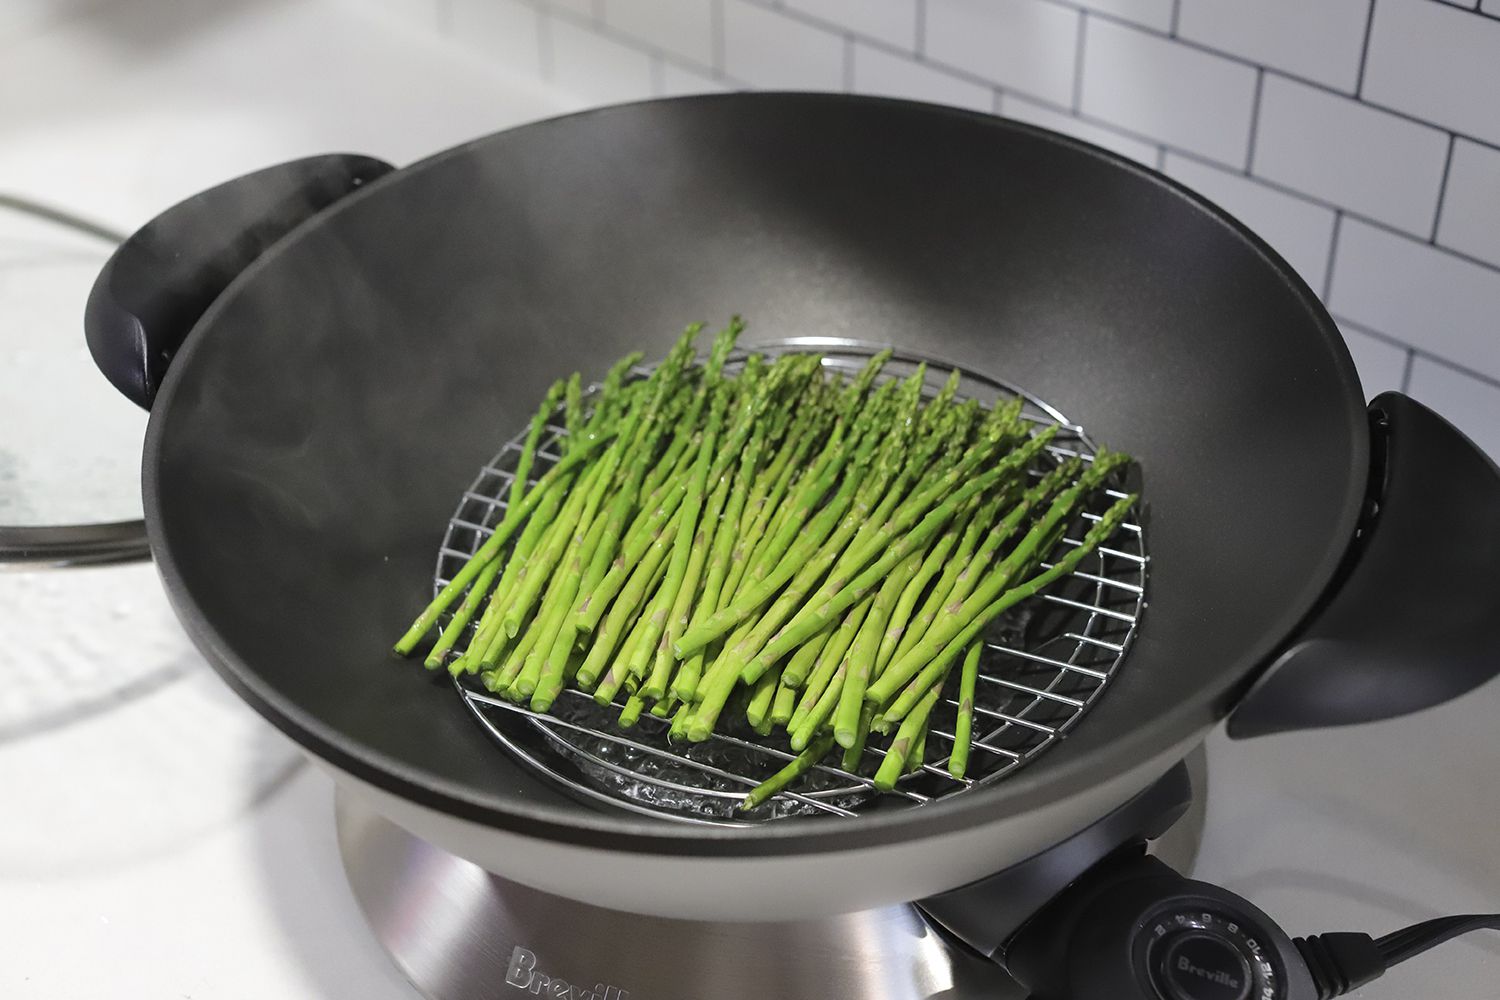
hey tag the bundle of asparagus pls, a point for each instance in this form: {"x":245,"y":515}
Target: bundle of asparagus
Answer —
{"x":830,"y":551}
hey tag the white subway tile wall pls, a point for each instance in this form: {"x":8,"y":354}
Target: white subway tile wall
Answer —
{"x":886,"y":74}
{"x":593,"y":68}
{"x":764,"y":48}
{"x":1430,"y":299}
{"x":1298,"y":229}
{"x":1471,"y":202}
{"x":1381,"y":364}
{"x":1166,"y":90}
{"x":677,"y":81}
{"x":1320,"y":40}
{"x":683,"y":27}
{"x":1436,"y":63}
{"x":503,"y":30}
{"x":1381,"y":165}
{"x":1031,"y":45}
{"x":1021,"y":109}
{"x":891,"y":21}
{"x":1473,"y":406}
{"x":1360,"y":138}
{"x":1150,"y":13}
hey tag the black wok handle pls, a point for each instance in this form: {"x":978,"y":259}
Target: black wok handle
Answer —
{"x":161,"y":280}
{"x":153,"y":290}
{"x":1415,"y":619}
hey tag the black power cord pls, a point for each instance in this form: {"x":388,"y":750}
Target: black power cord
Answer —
{"x":1341,"y":962}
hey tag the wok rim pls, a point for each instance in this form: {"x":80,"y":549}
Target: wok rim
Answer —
{"x":1188,"y":719}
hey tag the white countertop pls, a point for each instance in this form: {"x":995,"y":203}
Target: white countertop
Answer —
{"x":157,"y":839}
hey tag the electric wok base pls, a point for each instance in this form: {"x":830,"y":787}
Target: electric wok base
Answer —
{"x":459,"y":932}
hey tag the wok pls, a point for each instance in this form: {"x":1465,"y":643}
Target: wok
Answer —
{"x":330,"y":347}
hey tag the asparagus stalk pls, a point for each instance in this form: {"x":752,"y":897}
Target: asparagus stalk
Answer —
{"x":622,"y":612}
{"x":846,"y":723}
{"x":829,"y":659}
{"x":572,"y":411}
{"x":808,"y":557}
{"x":813,"y":618}
{"x":687,"y":596}
{"x":514,"y":516}
{"x":856,"y":750}
{"x":931,"y":565}
{"x":784,"y":704}
{"x":913,"y":726}
{"x":988,"y":601}
{"x":461,"y":619}
{"x":521,"y":481}
{"x":488,"y":632}
{"x":817,"y":716}
{"x":762,"y":695}
{"x":804,"y":762}
{"x":688,"y":549}
{"x":963,"y":729}
{"x":956,"y":615}
{"x":539,"y":571}
{"x":646,"y":428}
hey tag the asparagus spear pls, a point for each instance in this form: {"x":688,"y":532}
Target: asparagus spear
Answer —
{"x":688,"y":549}
{"x":687,"y":596}
{"x":963,"y":729}
{"x":461,"y":619}
{"x":572,"y":411}
{"x":846,"y":722}
{"x":832,"y":655}
{"x":538,"y":573}
{"x":521,"y":481}
{"x":646,"y":429}
{"x":896,"y":757}
{"x":901,"y":614}
{"x":489,"y":638}
{"x":796,"y":542}
{"x":987,"y":601}
{"x":817,"y":716}
{"x":784,"y":704}
{"x":804,"y":762}
{"x":813,"y":618}
{"x":514,"y":516}
{"x":954,"y":617}
{"x":761,"y":697}
{"x":622,"y":612}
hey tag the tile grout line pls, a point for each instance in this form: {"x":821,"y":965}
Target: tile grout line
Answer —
{"x":848,"y":67}
{"x":1108,"y":126}
{"x":962,"y":74}
{"x":1437,"y":212}
{"x":1260,"y":87}
{"x":1176,"y":18}
{"x":1333,"y":248}
{"x":919,"y":33}
{"x":1161,"y":159}
{"x":1364,"y":51}
{"x":1083,"y":29}
{"x":1425,"y":355}
{"x":1411,"y":360}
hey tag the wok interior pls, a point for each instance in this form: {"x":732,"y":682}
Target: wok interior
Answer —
{"x":317,"y":430}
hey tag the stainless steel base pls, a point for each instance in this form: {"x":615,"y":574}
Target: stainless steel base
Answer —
{"x":459,"y":932}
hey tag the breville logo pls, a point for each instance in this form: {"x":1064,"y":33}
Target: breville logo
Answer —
{"x":1221,"y":977}
{"x":522,"y":974}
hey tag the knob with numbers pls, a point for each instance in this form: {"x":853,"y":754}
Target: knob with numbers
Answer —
{"x":1134,"y":929}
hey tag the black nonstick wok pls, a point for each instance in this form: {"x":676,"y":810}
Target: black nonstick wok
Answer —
{"x":330,"y":348}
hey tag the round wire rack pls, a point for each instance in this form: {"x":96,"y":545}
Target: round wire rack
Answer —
{"x":1044,"y":662}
